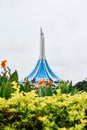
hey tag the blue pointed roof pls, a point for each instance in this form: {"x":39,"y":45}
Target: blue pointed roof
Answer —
{"x":42,"y":69}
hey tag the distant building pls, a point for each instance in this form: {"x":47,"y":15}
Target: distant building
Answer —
{"x":42,"y":70}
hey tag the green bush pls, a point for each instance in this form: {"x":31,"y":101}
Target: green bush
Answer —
{"x":66,"y":87}
{"x":81,"y":86}
{"x":27,"y":111}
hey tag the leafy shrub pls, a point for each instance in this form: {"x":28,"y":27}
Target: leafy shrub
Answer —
{"x":66,"y":87}
{"x":6,"y":79}
{"x":26,"y":87}
{"x":45,"y":91}
{"x":81,"y":86}
{"x":27,"y":111}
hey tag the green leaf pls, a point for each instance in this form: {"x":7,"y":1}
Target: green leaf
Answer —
{"x":27,"y":88}
{"x":21,"y":87}
{"x":48,"y":91}
{"x":14,"y":77}
{"x":1,"y":90}
{"x":1,"y":80}
{"x":41,"y":92}
{"x":6,"y":90}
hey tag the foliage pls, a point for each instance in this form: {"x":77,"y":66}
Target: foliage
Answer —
{"x":45,"y":91}
{"x":66,"y":87}
{"x":6,"y":79}
{"x":81,"y":86}
{"x":27,"y":111}
{"x":26,"y":87}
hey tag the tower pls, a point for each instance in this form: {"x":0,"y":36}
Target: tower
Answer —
{"x":42,"y":70}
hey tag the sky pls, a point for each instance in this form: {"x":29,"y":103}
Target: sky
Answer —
{"x":64,"y":23}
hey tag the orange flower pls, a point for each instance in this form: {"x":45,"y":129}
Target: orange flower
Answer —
{"x":41,"y":82}
{"x":49,"y":82}
{"x":3,"y":63}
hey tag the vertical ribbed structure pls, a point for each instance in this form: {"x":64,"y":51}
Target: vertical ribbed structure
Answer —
{"x":42,"y":69}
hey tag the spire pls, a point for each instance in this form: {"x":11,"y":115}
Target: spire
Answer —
{"x":42,"y":69}
{"x":42,"y":45}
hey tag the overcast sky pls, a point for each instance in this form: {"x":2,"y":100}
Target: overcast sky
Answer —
{"x":64,"y":23}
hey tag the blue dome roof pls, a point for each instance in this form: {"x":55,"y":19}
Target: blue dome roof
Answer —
{"x":42,"y":71}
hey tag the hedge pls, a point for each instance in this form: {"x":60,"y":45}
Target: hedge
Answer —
{"x":27,"y":111}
